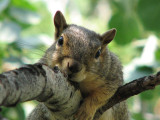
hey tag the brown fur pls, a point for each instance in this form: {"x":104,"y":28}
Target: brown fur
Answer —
{"x":98,"y":77}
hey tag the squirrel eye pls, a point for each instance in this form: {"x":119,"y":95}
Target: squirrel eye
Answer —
{"x":60,"y":41}
{"x":98,"y":54}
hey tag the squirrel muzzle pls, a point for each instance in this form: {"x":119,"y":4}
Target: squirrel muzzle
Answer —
{"x":74,"y":69}
{"x":74,"y":66}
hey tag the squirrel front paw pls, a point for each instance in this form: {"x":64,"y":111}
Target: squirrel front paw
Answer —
{"x":84,"y":113}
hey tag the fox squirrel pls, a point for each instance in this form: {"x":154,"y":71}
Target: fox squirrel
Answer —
{"x":84,"y":56}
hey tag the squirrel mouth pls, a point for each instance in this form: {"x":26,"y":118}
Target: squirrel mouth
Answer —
{"x":56,"y":69}
{"x":70,"y":76}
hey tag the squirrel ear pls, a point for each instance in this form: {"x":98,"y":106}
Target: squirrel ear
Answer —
{"x":108,"y":36}
{"x":59,"y":23}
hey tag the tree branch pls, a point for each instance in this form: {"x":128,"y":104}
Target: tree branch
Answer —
{"x":39,"y":82}
{"x":130,"y":89}
{"x":59,"y":99}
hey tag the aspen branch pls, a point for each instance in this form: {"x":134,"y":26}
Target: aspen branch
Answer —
{"x":59,"y":99}
{"x":39,"y":82}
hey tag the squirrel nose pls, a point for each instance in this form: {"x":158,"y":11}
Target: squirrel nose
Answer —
{"x":74,"y":67}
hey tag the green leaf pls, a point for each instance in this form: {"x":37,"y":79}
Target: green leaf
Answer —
{"x":127,"y":28}
{"x":14,"y":113}
{"x":157,"y":54}
{"x":20,"y":111}
{"x":148,"y":70}
{"x":124,"y":19}
{"x":24,"y":16}
{"x":25,"y":4}
{"x":3,"y":4}
{"x":138,"y":116}
{"x":147,"y":95}
{"x":149,"y":13}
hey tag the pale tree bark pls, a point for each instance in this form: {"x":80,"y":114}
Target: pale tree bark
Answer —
{"x":58,"y":98}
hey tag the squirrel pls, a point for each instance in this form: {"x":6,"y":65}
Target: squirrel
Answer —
{"x":84,"y":56}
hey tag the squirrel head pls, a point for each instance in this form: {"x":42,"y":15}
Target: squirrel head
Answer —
{"x":77,"y":50}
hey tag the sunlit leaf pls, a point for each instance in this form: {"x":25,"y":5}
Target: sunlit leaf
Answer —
{"x":20,"y":111}
{"x":24,"y":16}
{"x":24,"y":4}
{"x":9,"y":31}
{"x":86,"y":8}
{"x":3,"y":4}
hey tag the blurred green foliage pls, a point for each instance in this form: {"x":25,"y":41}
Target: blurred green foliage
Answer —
{"x":26,"y":25}
{"x":148,"y":12}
